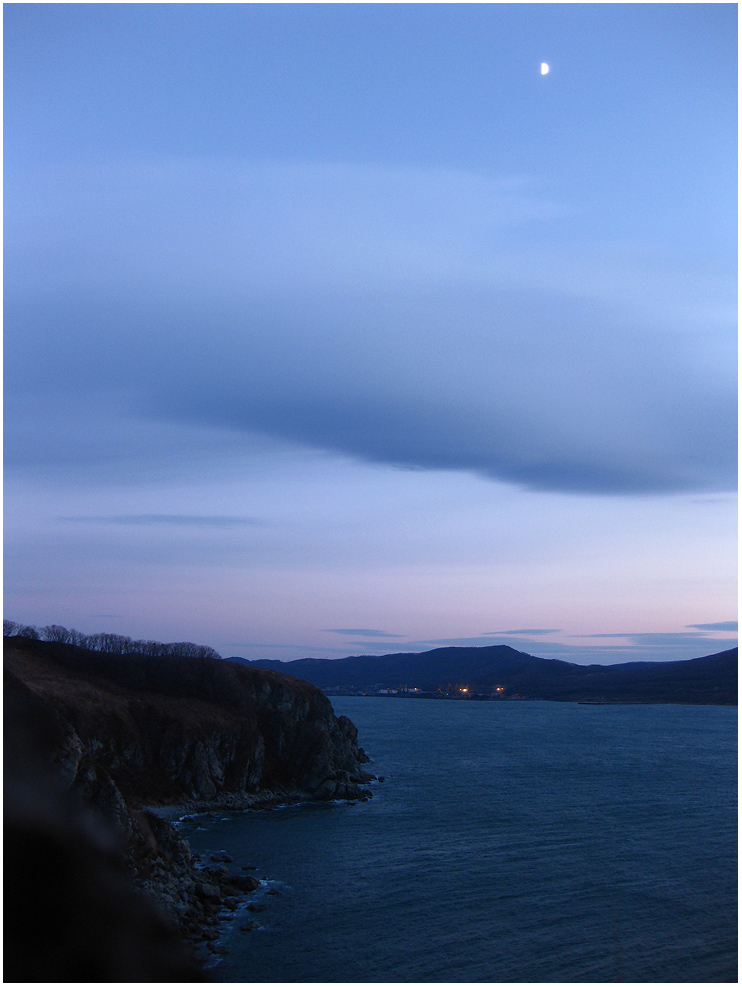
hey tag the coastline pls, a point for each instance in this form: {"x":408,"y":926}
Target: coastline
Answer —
{"x":228,"y":802}
{"x":202,"y":896}
{"x":262,"y":798}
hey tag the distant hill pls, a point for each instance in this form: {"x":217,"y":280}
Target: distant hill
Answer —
{"x":501,"y":672}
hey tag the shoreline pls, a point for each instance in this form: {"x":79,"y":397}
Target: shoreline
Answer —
{"x":203,"y":896}
{"x":263,"y":798}
{"x":226,"y":802}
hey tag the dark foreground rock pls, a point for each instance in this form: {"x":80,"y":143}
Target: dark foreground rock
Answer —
{"x":94,"y":744}
{"x":72,"y":913}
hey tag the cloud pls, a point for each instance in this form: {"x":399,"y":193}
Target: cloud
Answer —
{"x":524,"y":630}
{"x":722,"y":625}
{"x":98,"y":433}
{"x":407,"y":317}
{"x":176,"y":520}
{"x":661,"y":637}
{"x":680,"y":641}
{"x":360,"y":631}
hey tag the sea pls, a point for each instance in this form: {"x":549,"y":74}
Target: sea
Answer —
{"x":509,"y":842}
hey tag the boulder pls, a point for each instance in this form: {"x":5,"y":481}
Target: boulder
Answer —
{"x":245,"y":883}
{"x":209,"y":892}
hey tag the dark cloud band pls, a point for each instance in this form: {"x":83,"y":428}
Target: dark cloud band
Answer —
{"x":722,"y":625}
{"x":174,"y":520}
{"x":360,"y":631}
{"x":374,"y":336}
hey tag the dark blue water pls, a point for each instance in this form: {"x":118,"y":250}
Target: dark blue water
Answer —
{"x":531,"y":842}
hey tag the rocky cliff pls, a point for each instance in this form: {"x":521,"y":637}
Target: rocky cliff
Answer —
{"x":94,"y":741}
{"x":165,"y":730}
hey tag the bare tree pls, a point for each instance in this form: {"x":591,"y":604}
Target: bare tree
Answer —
{"x":112,"y":644}
{"x":56,"y":633}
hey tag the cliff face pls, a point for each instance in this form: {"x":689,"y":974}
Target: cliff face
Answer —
{"x":90,"y":740}
{"x":141,"y":730}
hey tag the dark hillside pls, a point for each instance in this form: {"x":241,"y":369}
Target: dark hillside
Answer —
{"x":107,"y":887}
{"x":169,"y":728}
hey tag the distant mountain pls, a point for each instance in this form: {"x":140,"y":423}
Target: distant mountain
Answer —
{"x":501,"y":672}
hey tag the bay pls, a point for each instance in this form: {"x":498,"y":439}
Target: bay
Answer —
{"x":509,"y":842}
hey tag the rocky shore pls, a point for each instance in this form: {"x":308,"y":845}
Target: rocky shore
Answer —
{"x":110,"y":752}
{"x":241,"y":801}
{"x":202,"y":896}
{"x":198,"y":896}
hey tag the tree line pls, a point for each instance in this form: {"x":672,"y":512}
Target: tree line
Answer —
{"x":111,"y":644}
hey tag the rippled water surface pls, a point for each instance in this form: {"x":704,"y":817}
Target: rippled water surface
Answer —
{"x":509,"y":842}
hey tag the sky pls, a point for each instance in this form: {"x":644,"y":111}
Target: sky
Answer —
{"x":341,"y":329}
